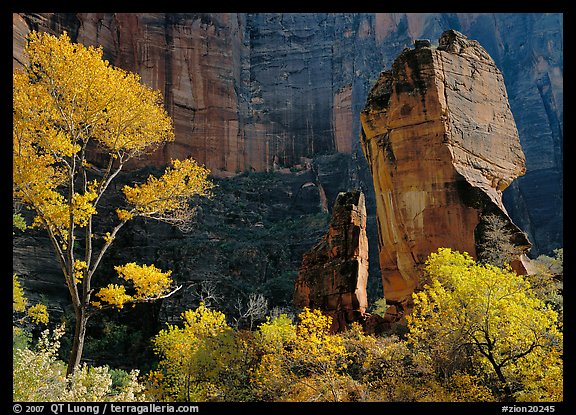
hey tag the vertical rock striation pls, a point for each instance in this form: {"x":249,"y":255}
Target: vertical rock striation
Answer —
{"x":256,"y":91}
{"x":334,"y":272}
{"x":195,"y":59}
{"x":442,"y":145}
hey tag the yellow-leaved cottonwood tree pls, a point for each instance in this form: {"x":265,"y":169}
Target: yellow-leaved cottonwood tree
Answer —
{"x":68,"y":102}
{"x":205,"y":360}
{"x":489,"y":317}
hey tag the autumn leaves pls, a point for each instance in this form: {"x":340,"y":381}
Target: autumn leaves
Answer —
{"x":68,"y":102}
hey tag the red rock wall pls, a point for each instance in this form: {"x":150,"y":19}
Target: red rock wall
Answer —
{"x":342,"y":114}
{"x":442,"y":145}
{"x":252,"y":91}
{"x":334,"y":272}
{"x":215,"y":85}
{"x":193,"y":59}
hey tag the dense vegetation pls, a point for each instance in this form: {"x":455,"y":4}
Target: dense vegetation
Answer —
{"x":477,"y":333}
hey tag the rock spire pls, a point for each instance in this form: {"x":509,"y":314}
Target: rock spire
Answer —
{"x":442,"y":145}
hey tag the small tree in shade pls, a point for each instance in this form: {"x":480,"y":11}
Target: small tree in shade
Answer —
{"x":495,"y":246}
{"x":67,"y":103}
{"x":256,"y":309}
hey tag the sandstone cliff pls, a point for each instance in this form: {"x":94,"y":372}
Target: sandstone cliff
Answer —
{"x":260,"y":91}
{"x":334,"y":272}
{"x":442,"y":145}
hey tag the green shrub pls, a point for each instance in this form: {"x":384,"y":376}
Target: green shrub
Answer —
{"x":38,"y":376}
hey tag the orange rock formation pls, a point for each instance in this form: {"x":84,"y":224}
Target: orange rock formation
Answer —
{"x":334,"y":272}
{"x":442,"y":145}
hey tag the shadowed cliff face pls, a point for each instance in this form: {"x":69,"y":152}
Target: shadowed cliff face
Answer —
{"x":260,"y":91}
{"x":334,"y":272}
{"x":442,"y":145}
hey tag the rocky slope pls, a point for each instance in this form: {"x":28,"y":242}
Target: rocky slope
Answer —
{"x":249,"y":238}
{"x":442,"y":145}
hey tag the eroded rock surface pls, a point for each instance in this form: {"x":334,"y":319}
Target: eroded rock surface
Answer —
{"x":253,"y":91}
{"x":334,"y":272}
{"x":442,"y":145}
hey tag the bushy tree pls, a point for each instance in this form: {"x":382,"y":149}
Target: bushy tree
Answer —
{"x":319,"y":357}
{"x":390,"y":369}
{"x":301,"y":362}
{"x":271,"y":378}
{"x":205,"y":360}
{"x":77,"y":121}
{"x":38,"y":376}
{"x":487,"y":320}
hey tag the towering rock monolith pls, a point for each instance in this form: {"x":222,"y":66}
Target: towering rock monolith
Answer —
{"x":442,"y":145}
{"x":334,"y":272}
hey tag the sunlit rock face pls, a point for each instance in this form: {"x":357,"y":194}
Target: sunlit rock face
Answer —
{"x":442,"y":145}
{"x":195,"y":60}
{"x":260,"y":91}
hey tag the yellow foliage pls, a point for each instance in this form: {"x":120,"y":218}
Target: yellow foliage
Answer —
{"x":272,"y":378}
{"x":124,"y":215}
{"x":108,"y":238}
{"x":82,"y":207}
{"x":465,"y":387}
{"x":169,"y":193}
{"x":87,"y":95}
{"x":79,"y":268}
{"x":276,"y":334}
{"x":202,"y":360}
{"x":149,"y":282}
{"x":305,"y":362}
{"x":316,"y":345}
{"x":38,"y":313}
{"x":540,"y":377}
{"x":204,"y":322}
{"x":19,"y":301}
{"x":487,"y":311}
{"x":114,"y":295}
{"x":321,"y":388}
{"x":67,"y":101}
{"x":67,"y":96}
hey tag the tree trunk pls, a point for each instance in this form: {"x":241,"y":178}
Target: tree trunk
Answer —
{"x":78,"y":344}
{"x":508,"y":395}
